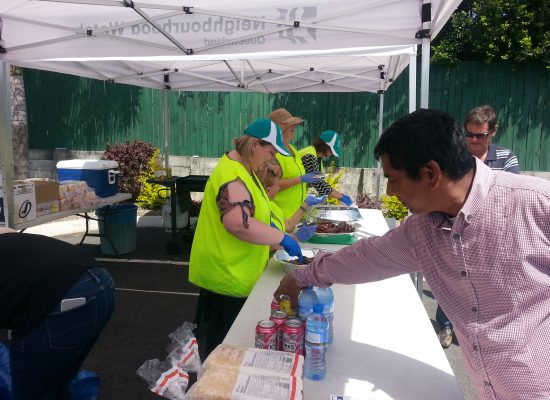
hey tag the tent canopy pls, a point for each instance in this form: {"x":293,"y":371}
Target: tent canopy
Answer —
{"x":265,"y":46}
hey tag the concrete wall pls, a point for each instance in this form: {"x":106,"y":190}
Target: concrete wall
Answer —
{"x":354,"y":181}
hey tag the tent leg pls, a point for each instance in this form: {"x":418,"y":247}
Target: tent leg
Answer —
{"x":412,"y":83}
{"x":166,"y":127}
{"x":425,"y":77}
{"x":378,"y":166}
{"x":6,"y":145}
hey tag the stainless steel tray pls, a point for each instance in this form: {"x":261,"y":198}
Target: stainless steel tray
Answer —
{"x":332,"y":214}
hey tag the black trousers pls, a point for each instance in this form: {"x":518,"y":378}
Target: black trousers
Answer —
{"x":215,"y":315}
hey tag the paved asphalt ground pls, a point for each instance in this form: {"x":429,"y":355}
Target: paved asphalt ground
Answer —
{"x":153,"y":299}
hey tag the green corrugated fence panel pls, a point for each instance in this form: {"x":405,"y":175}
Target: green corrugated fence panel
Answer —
{"x":84,"y":114}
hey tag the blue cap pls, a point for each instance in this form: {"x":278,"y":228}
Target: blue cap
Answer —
{"x":267,"y":131}
{"x":333,"y":140}
{"x":318,"y":308}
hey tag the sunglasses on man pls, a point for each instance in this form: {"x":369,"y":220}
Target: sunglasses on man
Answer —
{"x":480,"y":135}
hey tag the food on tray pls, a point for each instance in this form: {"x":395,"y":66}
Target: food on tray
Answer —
{"x":305,"y":261}
{"x":330,"y":227}
{"x":227,"y":384}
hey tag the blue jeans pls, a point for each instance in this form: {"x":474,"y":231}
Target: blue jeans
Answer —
{"x":44,"y":361}
{"x":442,"y":319}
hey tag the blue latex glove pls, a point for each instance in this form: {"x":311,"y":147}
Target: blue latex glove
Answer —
{"x":310,"y":177}
{"x":313,"y":200}
{"x":292,"y":247}
{"x":346,"y":200}
{"x":305,"y":232}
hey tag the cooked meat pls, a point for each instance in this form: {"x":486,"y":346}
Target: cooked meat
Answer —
{"x":329,"y":227}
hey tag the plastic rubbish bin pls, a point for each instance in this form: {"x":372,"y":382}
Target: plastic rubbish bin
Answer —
{"x":117,"y":228}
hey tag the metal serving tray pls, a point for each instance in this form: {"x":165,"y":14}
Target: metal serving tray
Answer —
{"x":331,"y":213}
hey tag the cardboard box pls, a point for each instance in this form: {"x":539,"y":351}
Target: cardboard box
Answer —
{"x":25,"y":202}
{"x":46,"y":190}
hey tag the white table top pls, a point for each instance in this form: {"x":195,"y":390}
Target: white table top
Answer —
{"x":384,"y":344}
{"x":117,"y":198}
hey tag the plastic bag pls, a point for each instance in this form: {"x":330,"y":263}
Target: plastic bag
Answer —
{"x":164,"y":379}
{"x":184,"y":349}
{"x":170,"y":378}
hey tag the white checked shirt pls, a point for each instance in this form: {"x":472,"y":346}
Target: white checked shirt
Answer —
{"x":490,"y":272}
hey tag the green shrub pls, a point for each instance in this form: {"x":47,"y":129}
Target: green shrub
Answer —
{"x":393,"y":208}
{"x":151,"y":196}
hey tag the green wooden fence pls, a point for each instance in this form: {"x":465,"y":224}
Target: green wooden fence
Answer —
{"x":84,"y":114}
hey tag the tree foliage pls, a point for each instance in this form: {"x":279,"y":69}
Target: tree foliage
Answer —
{"x":496,"y":30}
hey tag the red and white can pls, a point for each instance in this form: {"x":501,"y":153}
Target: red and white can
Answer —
{"x":279,"y":317}
{"x":293,"y":336}
{"x":266,"y":335}
{"x":274,"y":306}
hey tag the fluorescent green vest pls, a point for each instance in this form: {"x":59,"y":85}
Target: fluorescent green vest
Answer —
{"x":278,"y":217}
{"x":219,"y":261}
{"x":311,"y":150}
{"x":289,"y":200}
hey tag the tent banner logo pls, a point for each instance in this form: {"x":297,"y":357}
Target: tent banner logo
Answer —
{"x":219,"y":29}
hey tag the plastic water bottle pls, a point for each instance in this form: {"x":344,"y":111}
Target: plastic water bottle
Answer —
{"x":326,"y":298}
{"x":306,"y":300}
{"x":316,"y":344}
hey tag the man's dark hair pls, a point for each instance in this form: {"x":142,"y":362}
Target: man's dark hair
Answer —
{"x":422,"y":136}
{"x":481,"y":115}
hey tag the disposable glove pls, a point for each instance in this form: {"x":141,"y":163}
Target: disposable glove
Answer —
{"x":305,"y":232}
{"x":313,"y":200}
{"x":292,"y":247}
{"x":346,"y":200}
{"x":310,"y":177}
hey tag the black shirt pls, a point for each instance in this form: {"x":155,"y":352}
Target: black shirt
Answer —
{"x":35,"y":273}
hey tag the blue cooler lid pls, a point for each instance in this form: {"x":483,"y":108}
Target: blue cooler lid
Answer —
{"x":86,"y":164}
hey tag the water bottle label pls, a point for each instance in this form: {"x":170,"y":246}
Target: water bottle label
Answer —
{"x":316,"y":338}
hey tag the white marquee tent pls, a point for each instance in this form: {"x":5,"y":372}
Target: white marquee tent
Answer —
{"x":266,"y":46}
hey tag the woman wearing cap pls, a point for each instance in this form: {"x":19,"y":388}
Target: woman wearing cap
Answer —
{"x":233,"y":236}
{"x":293,"y":184}
{"x":270,"y":175}
{"x":323,"y":147}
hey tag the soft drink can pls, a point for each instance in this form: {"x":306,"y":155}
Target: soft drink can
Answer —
{"x":274,"y":305}
{"x":279,"y":317}
{"x":266,"y":335}
{"x":293,"y":336}
{"x":286,"y":306}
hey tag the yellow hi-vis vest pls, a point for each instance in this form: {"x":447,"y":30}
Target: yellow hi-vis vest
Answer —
{"x":220,"y":262}
{"x":311,"y":150}
{"x":278,"y":217}
{"x":290,"y":199}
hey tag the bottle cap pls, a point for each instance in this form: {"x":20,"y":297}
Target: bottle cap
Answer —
{"x":318,"y":308}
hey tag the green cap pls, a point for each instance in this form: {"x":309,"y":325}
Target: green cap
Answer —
{"x":269,"y":132}
{"x":333,"y":140}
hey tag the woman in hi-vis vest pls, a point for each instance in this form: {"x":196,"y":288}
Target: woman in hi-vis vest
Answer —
{"x":293,"y":184}
{"x":323,"y":147}
{"x":233,"y":235}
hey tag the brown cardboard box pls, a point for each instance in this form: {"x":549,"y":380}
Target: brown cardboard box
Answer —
{"x":46,"y":190}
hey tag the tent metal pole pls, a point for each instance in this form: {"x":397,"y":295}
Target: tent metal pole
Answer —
{"x":6,"y":145}
{"x":166,"y":127}
{"x":425,"y":77}
{"x":380,"y":128}
{"x":412,"y":83}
